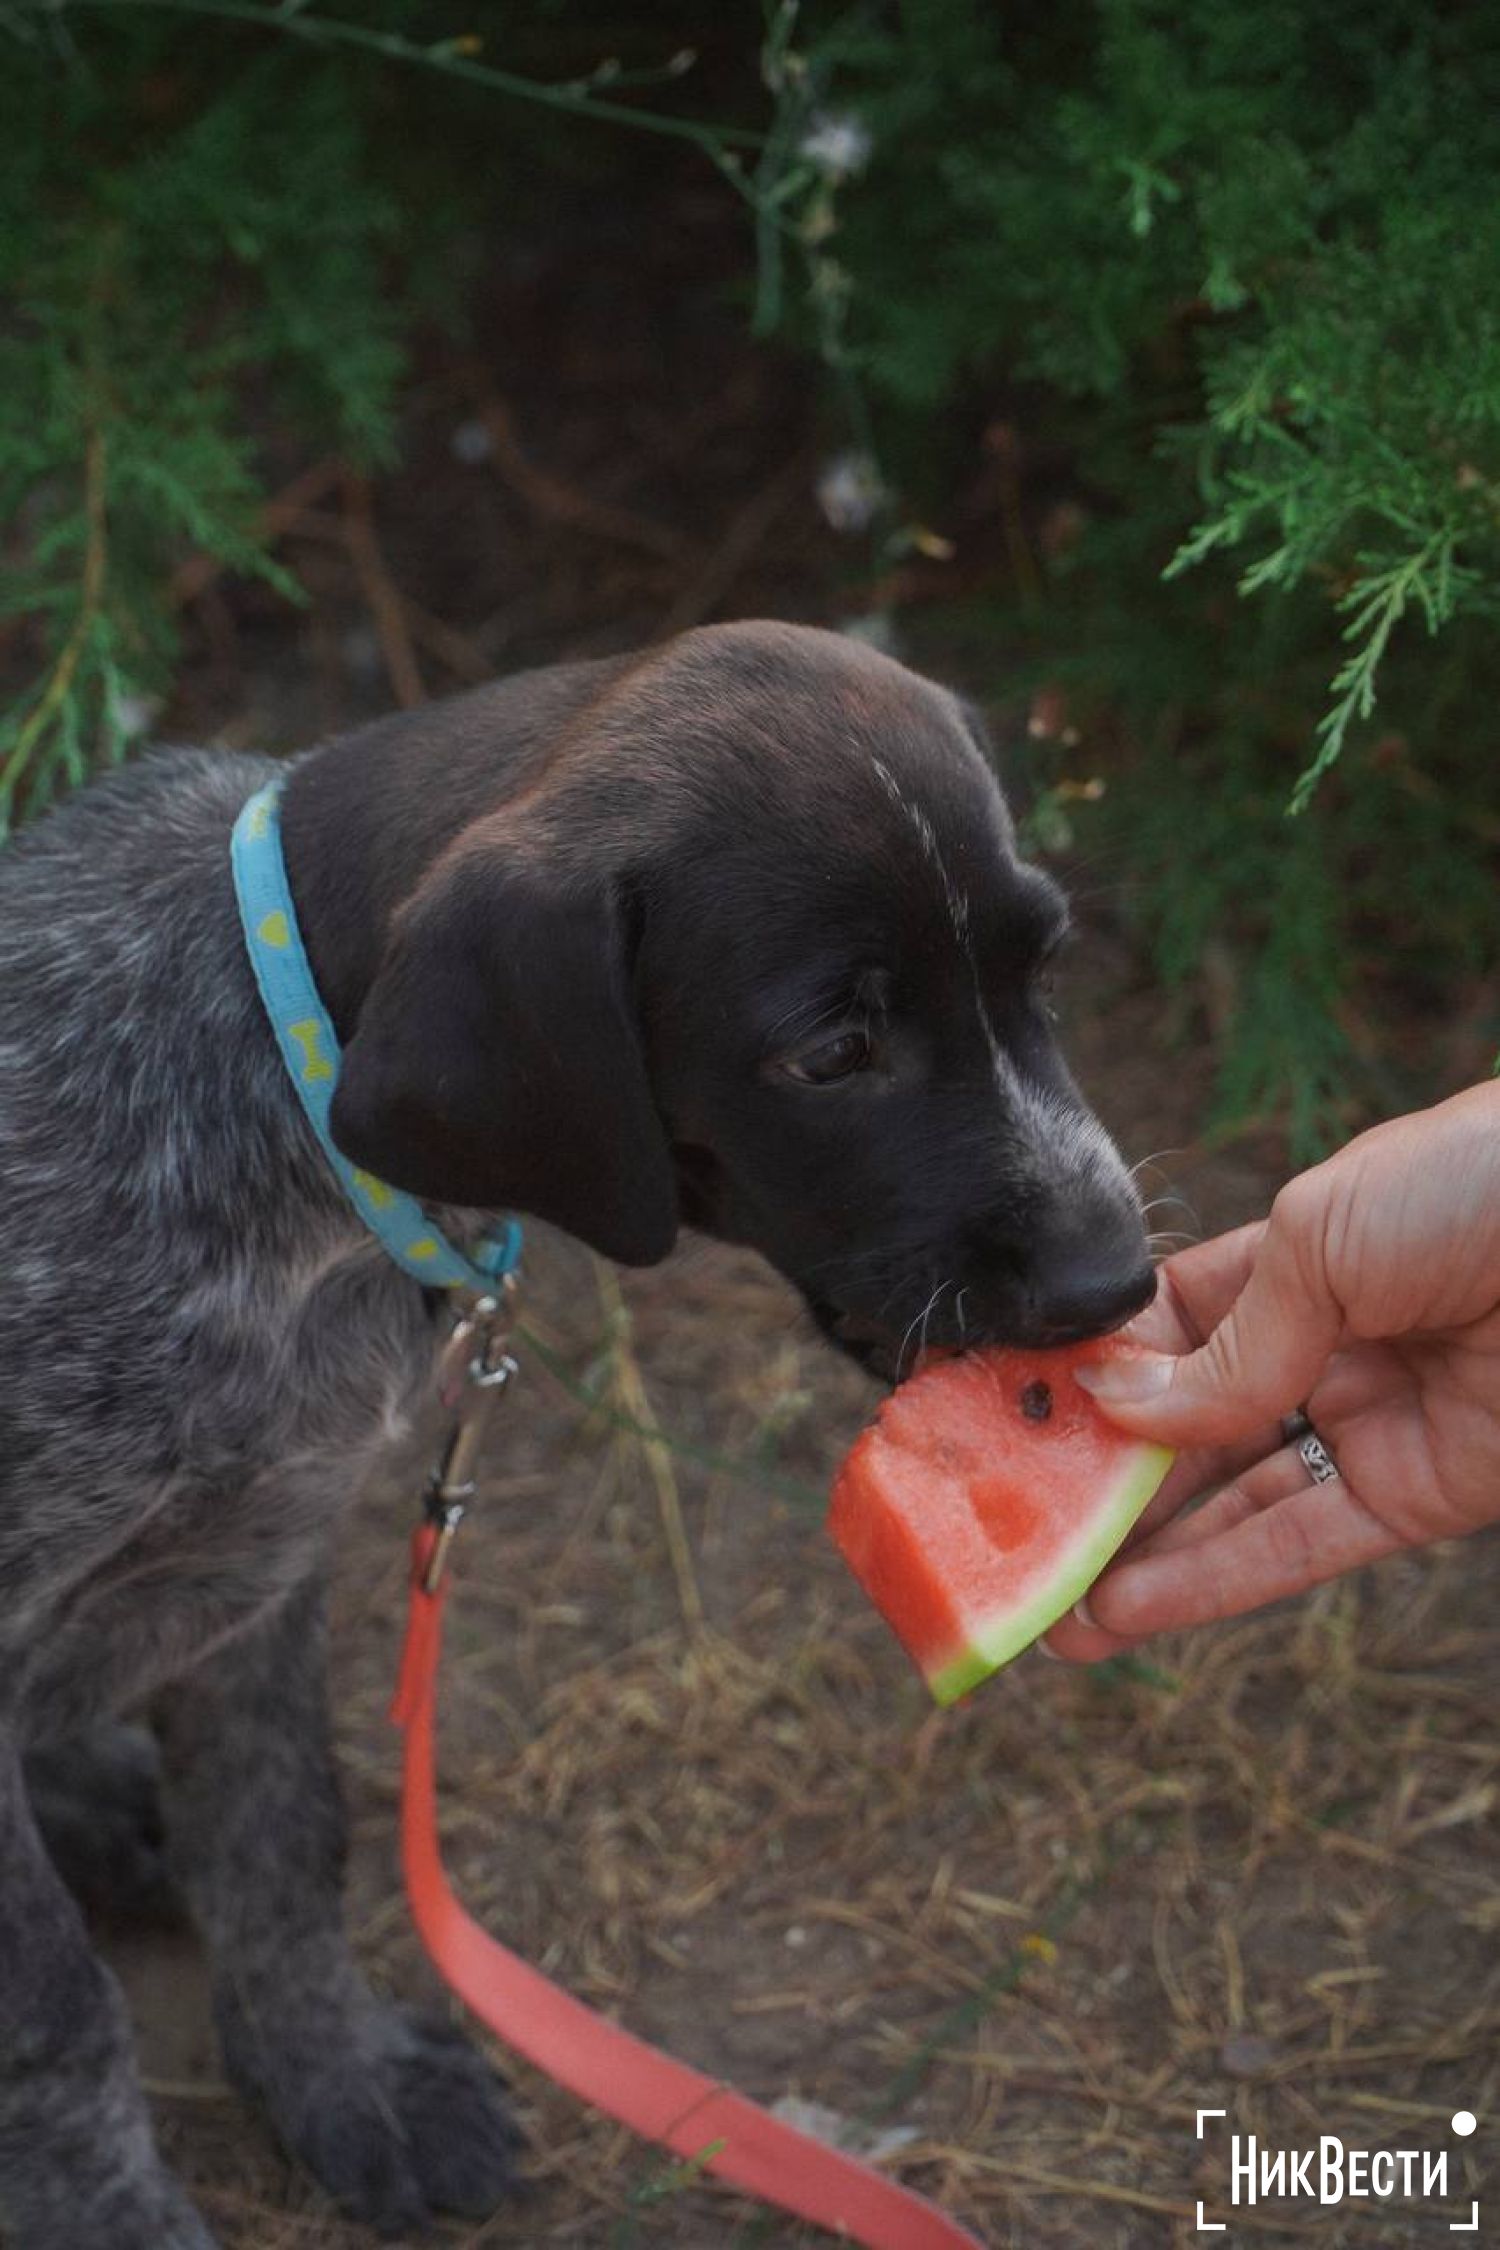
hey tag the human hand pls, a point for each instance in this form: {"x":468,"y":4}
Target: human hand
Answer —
{"x":1371,"y":1299}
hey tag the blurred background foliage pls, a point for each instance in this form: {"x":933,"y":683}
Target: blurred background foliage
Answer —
{"x":1164,"y":337}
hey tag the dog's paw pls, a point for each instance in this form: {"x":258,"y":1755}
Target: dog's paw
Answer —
{"x":97,"y":1805}
{"x":398,"y":2122}
{"x":465,"y":2144}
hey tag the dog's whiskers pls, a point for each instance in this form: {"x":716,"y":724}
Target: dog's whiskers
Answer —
{"x":926,"y":1317}
{"x":1156,"y":1157}
{"x":919,"y":1321}
{"x":1168,"y":1203}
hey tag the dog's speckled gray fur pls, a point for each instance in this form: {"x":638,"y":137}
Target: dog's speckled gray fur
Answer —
{"x":202,"y":1352}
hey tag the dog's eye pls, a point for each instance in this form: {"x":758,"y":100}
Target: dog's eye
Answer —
{"x":830,"y":1060}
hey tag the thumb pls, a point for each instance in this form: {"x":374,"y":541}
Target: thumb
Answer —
{"x":1260,"y":1362}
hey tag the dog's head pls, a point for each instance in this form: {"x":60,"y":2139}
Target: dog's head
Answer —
{"x":747,"y":944}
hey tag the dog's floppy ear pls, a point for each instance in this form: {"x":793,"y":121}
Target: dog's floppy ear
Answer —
{"x":496,"y":1062}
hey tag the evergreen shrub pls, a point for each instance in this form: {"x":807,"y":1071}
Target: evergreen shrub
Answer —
{"x":1228,"y":270}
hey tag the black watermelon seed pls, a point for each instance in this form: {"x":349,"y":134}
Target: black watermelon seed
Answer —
{"x":1036,"y":1402}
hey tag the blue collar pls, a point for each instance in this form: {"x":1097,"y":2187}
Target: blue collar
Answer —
{"x":310,"y":1049}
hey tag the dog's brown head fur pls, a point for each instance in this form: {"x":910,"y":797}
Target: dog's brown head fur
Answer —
{"x":732,"y":933}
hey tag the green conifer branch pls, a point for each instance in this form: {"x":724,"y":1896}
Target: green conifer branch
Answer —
{"x":456,"y":58}
{"x":58,"y":685}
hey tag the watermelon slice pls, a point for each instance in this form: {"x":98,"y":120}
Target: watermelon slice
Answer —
{"x":985,"y":1498}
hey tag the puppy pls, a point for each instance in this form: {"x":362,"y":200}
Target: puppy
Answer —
{"x":732,"y":934}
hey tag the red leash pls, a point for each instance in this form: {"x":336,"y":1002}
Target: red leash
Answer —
{"x":608,"y":2067}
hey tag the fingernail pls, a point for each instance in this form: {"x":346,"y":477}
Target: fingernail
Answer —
{"x":1084,"y":1614}
{"x":1131,"y":1377}
{"x":1043,"y":1649}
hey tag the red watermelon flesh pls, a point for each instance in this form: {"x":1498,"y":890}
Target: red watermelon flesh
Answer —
{"x":984,"y":1499}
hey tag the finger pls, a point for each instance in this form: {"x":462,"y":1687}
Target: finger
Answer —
{"x":1204,"y":1281}
{"x":1194,"y":1290}
{"x":1083,"y":1637}
{"x":1077,"y":1639}
{"x":1257,"y":1487}
{"x":1301,"y":1540}
{"x":1203,"y":1468}
{"x":1265,"y":1355}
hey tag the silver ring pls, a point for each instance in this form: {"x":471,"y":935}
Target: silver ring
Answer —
{"x":1317,"y":1460}
{"x":1319,"y":1463}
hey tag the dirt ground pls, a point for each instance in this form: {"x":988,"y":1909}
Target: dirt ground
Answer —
{"x":1020,"y":1944}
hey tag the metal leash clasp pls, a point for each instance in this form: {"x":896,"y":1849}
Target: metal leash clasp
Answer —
{"x":472,"y":1372}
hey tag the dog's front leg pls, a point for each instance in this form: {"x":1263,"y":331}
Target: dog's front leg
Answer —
{"x":78,"y":2166}
{"x":394,"y":2112}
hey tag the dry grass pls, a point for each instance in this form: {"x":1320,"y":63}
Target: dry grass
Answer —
{"x":1039,"y":1932}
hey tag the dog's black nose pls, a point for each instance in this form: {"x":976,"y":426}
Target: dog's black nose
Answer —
{"x":1082,"y":1297}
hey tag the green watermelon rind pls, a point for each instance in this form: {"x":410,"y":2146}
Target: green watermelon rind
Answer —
{"x":997,"y":1640}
